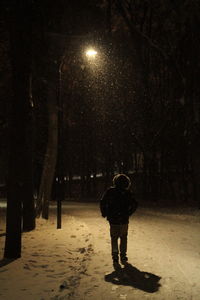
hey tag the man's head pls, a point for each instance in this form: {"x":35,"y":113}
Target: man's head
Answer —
{"x":121,"y":181}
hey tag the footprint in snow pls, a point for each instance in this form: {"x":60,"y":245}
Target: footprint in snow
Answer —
{"x":32,"y":261}
{"x":81,"y":250}
{"x":60,"y":261}
{"x":61,"y":274}
{"x":43,"y":266}
{"x":27,"y":267}
{"x":51,"y":276}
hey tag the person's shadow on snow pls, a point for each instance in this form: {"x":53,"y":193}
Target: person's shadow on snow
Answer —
{"x":131,"y":276}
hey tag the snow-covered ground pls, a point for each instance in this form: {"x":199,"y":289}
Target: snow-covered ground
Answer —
{"x":75,"y":262}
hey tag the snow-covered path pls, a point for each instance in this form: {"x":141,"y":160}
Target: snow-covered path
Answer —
{"x":75,"y":262}
{"x":166,"y":245}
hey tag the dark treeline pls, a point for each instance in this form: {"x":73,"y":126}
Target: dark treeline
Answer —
{"x":134,"y":110}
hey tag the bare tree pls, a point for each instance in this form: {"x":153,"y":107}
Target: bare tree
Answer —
{"x":20,"y":194}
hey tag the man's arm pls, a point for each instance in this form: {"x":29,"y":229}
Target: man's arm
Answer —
{"x":104,"y":204}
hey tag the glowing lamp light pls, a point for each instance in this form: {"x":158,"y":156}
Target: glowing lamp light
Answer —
{"x":91,"y":53}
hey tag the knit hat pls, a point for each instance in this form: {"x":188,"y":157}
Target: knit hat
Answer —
{"x":121,"y":181}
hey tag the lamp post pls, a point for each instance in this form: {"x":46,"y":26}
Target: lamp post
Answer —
{"x":60,"y":151}
{"x":60,"y":192}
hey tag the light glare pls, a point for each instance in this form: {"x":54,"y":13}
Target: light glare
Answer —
{"x":91,"y":53}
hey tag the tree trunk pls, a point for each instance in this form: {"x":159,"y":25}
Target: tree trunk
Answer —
{"x":19,"y":178}
{"x":49,"y":162}
{"x":28,"y":199}
{"x":14,"y":203}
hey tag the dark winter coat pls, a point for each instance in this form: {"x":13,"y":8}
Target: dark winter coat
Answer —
{"x":117,"y":205}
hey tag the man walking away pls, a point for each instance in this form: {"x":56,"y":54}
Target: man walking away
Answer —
{"x":117,"y":205}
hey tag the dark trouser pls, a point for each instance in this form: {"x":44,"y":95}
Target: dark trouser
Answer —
{"x":116,"y":232}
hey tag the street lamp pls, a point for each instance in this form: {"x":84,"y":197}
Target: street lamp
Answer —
{"x":91,"y":53}
{"x":92,"y":58}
